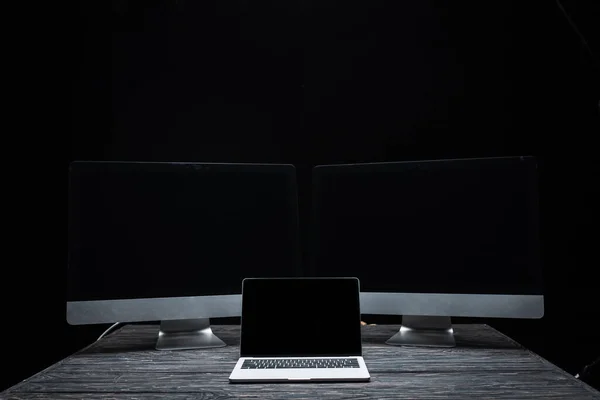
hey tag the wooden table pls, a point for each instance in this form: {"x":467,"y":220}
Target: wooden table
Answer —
{"x":124,"y":365}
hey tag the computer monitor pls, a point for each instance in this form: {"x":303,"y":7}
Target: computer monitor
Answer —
{"x":172,"y":242}
{"x":432,"y":239}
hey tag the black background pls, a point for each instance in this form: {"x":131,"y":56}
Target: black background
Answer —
{"x":304,"y":83}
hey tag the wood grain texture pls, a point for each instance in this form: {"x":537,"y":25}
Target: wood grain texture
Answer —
{"x":124,"y":365}
{"x":430,"y":385}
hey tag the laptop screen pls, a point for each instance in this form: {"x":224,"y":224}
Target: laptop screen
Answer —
{"x":303,"y":317}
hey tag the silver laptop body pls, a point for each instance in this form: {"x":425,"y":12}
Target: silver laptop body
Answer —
{"x":300,"y":329}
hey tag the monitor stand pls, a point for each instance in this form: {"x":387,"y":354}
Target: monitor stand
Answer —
{"x":424,"y":331}
{"x":186,"y":334}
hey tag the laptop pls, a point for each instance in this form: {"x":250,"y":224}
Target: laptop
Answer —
{"x":300,"y":329}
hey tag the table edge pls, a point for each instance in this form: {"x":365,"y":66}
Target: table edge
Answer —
{"x":553,"y":366}
{"x":56,"y":364}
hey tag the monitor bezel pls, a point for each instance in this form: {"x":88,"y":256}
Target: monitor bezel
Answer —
{"x":436,"y":304}
{"x":83,"y":312}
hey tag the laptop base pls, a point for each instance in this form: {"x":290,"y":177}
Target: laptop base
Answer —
{"x":187,"y":334}
{"x":301,"y":380}
{"x":297,"y":375}
{"x":424,"y":331}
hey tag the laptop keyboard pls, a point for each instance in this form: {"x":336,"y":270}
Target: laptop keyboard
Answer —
{"x":278,"y":363}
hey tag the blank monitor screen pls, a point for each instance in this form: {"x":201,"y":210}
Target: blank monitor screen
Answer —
{"x":148,"y":230}
{"x":448,"y":226}
{"x":300,"y":317}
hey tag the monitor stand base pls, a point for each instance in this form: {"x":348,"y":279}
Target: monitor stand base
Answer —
{"x":424,"y":332}
{"x":186,"y":334}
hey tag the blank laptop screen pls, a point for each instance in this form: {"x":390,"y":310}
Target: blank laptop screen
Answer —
{"x":301,"y":317}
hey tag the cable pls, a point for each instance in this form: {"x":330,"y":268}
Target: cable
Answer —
{"x":577,"y":31}
{"x":587,"y":370}
{"x":106,"y":332}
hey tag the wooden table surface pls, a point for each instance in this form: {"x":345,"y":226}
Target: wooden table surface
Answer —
{"x":485,"y":364}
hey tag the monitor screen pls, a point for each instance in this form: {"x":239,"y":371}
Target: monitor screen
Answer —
{"x":151,"y":230}
{"x":449,"y":226}
{"x":313,"y":318}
